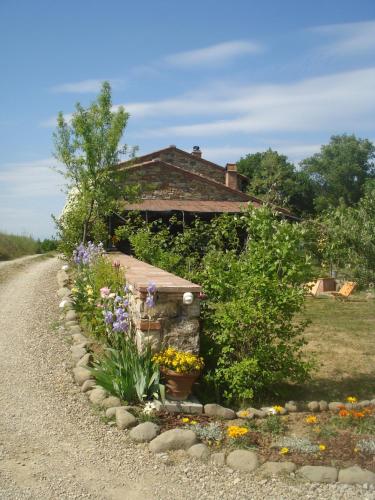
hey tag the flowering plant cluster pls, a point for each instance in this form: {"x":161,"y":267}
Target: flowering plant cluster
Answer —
{"x":178,"y":361}
{"x":311,"y":419}
{"x":115,"y":310}
{"x":150,"y":299}
{"x":85,"y":255}
{"x":236,"y":432}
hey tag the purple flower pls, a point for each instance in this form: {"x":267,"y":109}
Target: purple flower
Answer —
{"x":126,"y":288}
{"x":151,"y":287}
{"x":150,"y":301}
{"x":108,"y":317}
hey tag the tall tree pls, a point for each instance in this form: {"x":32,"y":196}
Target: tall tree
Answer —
{"x":89,"y":147}
{"x":339,"y":172}
{"x":273,"y":178}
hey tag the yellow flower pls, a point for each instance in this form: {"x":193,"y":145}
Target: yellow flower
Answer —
{"x":351,"y":399}
{"x":243,"y":413}
{"x":311,"y":419}
{"x":356,"y":450}
{"x":186,"y":420}
{"x":278,"y":409}
{"x":74,"y":289}
{"x":284,"y":451}
{"x":193,"y":422}
{"x":235,"y":431}
{"x":322,"y":447}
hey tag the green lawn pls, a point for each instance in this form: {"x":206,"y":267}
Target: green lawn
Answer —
{"x":342,"y":337}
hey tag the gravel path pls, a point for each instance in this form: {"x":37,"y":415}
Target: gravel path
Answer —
{"x":53,"y":445}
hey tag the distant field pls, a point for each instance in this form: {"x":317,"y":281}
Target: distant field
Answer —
{"x":342,"y":337}
{"x":13,"y":246}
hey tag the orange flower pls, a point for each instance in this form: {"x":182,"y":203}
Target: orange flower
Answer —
{"x":358,"y":414}
{"x":343,"y":413}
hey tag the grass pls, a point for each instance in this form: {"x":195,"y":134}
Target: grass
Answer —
{"x":341,"y":336}
{"x":13,"y":246}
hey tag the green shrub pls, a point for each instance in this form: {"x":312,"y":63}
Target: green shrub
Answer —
{"x":253,"y":269}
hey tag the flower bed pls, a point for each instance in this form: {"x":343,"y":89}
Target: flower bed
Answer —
{"x":324,"y":439}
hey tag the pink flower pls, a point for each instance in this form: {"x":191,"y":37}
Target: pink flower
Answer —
{"x":104,"y":292}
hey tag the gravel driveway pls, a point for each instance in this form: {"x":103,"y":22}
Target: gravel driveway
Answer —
{"x":53,"y":445}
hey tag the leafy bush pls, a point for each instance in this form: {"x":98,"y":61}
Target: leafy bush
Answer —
{"x":252,"y":268}
{"x":346,"y":239}
{"x":126,"y":373}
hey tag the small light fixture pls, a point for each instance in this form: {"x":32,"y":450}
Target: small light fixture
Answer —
{"x":187,"y":298}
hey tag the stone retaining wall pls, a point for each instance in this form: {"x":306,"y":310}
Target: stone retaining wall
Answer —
{"x":169,"y":322}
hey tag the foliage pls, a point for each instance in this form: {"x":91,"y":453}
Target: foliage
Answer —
{"x":126,"y":373}
{"x":211,"y":433}
{"x":13,"y":246}
{"x":274,"y":425}
{"x":250,"y":318}
{"x":366,"y":446}
{"x":98,"y":293}
{"x":362,"y":420}
{"x":340,"y":171}
{"x":346,"y":238}
{"x":178,"y":361}
{"x":273,"y":178}
{"x":88,"y":147}
{"x":299,"y":444}
{"x":252,"y":268}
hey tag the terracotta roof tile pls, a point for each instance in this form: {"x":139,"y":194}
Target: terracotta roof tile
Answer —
{"x":189,"y":206}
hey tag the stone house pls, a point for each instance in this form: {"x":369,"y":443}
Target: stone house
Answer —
{"x":174,"y":181}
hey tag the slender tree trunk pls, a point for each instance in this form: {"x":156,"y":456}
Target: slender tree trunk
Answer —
{"x":86,"y":222}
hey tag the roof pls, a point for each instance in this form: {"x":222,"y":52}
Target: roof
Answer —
{"x":156,"y":154}
{"x":192,"y":176}
{"x":189,"y":206}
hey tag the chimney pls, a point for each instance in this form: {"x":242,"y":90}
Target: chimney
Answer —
{"x":231,"y":179}
{"x":196,"y":152}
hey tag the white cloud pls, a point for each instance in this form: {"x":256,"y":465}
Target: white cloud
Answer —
{"x":84,"y":86}
{"x":214,"y":54}
{"x":31,"y":179}
{"x":350,"y":38}
{"x":29,"y":192}
{"x":341,"y":101}
{"x":226,"y":154}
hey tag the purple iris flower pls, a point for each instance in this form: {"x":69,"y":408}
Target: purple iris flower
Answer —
{"x":150,"y":301}
{"x":151,"y":287}
{"x":108,"y":317}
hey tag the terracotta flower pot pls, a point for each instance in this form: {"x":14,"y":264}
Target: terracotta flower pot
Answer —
{"x":178,"y":385}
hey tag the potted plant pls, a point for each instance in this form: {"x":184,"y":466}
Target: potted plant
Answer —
{"x":180,"y":370}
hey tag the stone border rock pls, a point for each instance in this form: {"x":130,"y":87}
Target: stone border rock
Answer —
{"x":186,"y":439}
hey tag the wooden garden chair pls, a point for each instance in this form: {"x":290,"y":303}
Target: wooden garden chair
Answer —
{"x":345,"y":291}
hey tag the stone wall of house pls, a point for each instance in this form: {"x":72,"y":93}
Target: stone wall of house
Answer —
{"x":193,"y":164}
{"x":169,"y":322}
{"x":158,"y":182}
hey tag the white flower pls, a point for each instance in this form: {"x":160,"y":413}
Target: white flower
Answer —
{"x":63,"y":303}
{"x":65,"y":267}
{"x":149,"y":408}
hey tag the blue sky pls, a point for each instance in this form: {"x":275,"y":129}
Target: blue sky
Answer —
{"x":233,"y":77}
